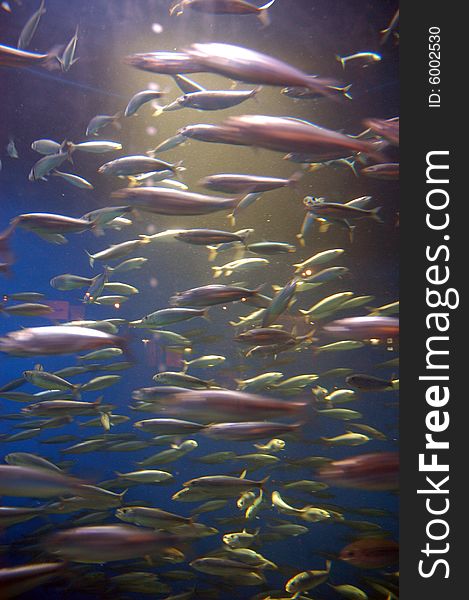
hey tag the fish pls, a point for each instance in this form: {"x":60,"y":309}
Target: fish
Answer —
{"x":49,"y":223}
{"x":100,"y":121}
{"x":387,"y":171}
{"x":11,"y":149}
{"x":165,"y":63}
{"x":244,"y":184}
{"x":280,"y":303}
{"x":117,"y":251}
{"x":307,"y":580}
{"x":271,"y":248}
{"x":67,"y":60}
{"x":369,"y":383}
{"x":106,"y":543}
{"x":374,"y":471}
{"x":386,"y":128}
{"x":320,"y":258}
{"x":31,"y":482}
{"x":204,"y":362}
{"x":249,"y":66}
{"x":183,"y":380}
{"x":45,"y":165}
{"x":303,"y":93}
{"x":28,"y":309}
{"x":134,"y":165}
{"x":204,"y":237}
{"x":224,"y":483}
{"x":28,"y":31}
{"x":221,"y":405}
{"x":350,"y":591}
{"x":371,"y":553}
{"x":242,"y":264}
{"x":168,"y":426}
{"x":341,"y":212}
{"x":168,"y":316}
{"x":168,"y":144}
{"x":210,"y":100}
{"x":146,"y":476}
{"x":248,"y":430}
{"x":20,"y":58}
{"x":95,"y":146}
{"x":75,"y":180}
{"x":361,"y":328}
{"x":211,"y":295}
{"x":284,"y":134}
{"x":165,"y":201}
{"x":17,"y":580}
{"x":46,"y":147}
{"x":139,"y":99}
{"x":224,"y":7}
{"x":152,"y":517}
{"x":366,"y":58}
{"x":56,"y":340}
{"x":265,"y":336}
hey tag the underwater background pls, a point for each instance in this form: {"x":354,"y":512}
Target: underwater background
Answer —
{"x":49,"y":104}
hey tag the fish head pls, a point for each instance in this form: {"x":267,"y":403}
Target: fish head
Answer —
{"x":125,"y":513}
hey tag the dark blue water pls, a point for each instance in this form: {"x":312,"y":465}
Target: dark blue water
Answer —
{"x":50,"y":104}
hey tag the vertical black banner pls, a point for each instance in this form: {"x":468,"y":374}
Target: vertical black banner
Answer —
{"x":433,"y":330}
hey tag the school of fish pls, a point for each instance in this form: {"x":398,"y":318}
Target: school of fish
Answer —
{"x":84,"y":535}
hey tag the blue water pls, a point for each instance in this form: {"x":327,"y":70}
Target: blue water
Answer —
{"x":50,"y":104}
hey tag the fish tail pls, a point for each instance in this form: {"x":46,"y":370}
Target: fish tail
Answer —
{"x":91,"y":259}
{"x":145,"y":239}
{"x":375,"y":214}
{"x":185,"y":366}
{"x":341,"y":60}
{"x":262,"y":482}
{"x":217,"y":271}
{"x":345,"y":91}
{"x":158,"y":111}
{"x":212,"y":253}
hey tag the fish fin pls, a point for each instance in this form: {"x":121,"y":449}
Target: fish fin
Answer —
{"x":158,"y":111}
{"x":91,"y":259}
{"x":243,"y":474}
{"x":179,"y":168}
{"x":185,"y":366}
{"x":179,"y":7}
{"x":263,"y":17}
{"x":301,"y":239}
